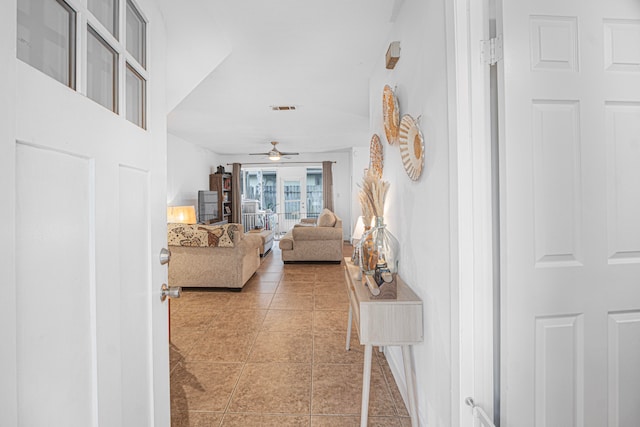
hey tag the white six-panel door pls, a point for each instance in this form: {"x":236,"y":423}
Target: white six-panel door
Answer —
{"x":570,"y":193}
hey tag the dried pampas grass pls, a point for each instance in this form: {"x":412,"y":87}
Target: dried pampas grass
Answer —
{"x":372,"y":196}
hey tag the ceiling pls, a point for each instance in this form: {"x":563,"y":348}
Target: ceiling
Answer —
{"x":231,"y":61}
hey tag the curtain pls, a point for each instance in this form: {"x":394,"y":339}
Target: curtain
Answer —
{"x":327,"y":185}
{"x":236,"y":198}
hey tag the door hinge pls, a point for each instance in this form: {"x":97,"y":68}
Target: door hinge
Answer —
{"x":491,"y":50}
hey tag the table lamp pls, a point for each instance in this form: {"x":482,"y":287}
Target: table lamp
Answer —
{"x":358,"y":231}
{"x":181,"y":214}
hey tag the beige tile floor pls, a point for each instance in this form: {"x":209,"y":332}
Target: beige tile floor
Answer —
{"x":274,"y":355}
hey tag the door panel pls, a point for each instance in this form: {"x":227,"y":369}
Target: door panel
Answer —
{"x":570,"y":120}
{"x":623,"y":176}
{"x":134,"y":296}
{"x":55,"y":322}
{"x":624,"y":376}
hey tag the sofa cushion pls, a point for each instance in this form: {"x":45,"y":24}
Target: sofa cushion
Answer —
{"x":316,"y":233}
{"x":326,"y":218}
{"x":304,"y":224}
{"x":202,"y":235}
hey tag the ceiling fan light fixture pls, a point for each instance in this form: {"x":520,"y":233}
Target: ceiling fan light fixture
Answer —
{"x":274,"y":155}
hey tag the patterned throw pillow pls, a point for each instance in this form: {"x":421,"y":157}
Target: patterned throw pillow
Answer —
{"x":220,"y":235}
{"x":185,"y":235}
{"x":201,"y":235}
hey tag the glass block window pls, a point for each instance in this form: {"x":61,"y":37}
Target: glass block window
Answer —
{"x":46,"y":38}
{"x":106,"y":11}
{"x":135,"y":98}
{"x":136,"y":34}
{"x":102,"y":80}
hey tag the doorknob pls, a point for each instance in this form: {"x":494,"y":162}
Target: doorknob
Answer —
{"x":170,"y":292}
{"x":165,"y":256}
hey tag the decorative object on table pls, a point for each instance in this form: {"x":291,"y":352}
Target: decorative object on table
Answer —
{"x":411,"y":147}
{"x":378,"y":245}
{"x":382,"y":290}
{"x":364,"y":247}
{"x":391,"y":115}
{"x":220,"y":169}
{"x":358,"y":231}
{"x":375,"y":155}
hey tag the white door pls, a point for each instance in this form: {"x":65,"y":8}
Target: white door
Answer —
{"x":85,"y":337}
{"x":570,"y":194}
{"x":293,"y":196}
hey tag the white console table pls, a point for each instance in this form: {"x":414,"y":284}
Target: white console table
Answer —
{"x":384,"y":322}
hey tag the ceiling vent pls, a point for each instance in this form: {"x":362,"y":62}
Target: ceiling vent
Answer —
{"x":283,"y":108}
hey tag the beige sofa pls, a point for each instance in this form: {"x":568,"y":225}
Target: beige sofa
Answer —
{"x":314,"y":240}
{"x":212,"y":256}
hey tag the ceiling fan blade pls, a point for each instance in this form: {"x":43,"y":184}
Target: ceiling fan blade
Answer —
{"x":274,"y":152}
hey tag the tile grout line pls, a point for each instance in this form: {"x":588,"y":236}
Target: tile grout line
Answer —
{"x":246,"y":360}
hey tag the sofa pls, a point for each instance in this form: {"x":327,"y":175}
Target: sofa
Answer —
{"x":314,"y":240}
{"x":221,"y":256}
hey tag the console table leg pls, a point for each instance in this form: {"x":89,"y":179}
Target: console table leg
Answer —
{"x":411,"y":391}
{"x":366,"y":385}
{"x":349,"y":327}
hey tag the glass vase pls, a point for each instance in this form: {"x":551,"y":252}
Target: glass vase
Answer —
{"x":378,"y":247}
{"x":356,"y":256}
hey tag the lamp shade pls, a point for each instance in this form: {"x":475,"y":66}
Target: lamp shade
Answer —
{"x":358,"y":230}
{"x":181,"y":214}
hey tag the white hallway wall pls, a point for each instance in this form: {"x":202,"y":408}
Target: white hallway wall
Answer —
{"x":417,"y":212}
{"x":188,"y":169}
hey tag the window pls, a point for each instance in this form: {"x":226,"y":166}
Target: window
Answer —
{"x":136,"y":34}
{"x":102,"y":62}
{"x":115,"y":52}
{"x":135,"y":97}
{"x":135,"y":88}
{"x":106,"y":11}
{"x":46,"y":38}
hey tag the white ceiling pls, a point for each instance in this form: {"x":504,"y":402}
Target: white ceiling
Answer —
{"x":229,"y":61}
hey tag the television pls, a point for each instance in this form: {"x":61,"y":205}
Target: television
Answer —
{"x":207,"y":207}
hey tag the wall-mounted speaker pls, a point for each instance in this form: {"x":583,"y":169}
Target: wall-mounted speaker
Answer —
{"x":393,"y":54}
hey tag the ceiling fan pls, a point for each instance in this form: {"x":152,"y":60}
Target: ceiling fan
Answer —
{"x":274,"y":154}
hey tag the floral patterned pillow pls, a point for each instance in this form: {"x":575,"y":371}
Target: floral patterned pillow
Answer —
{"x":201,"y":235}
